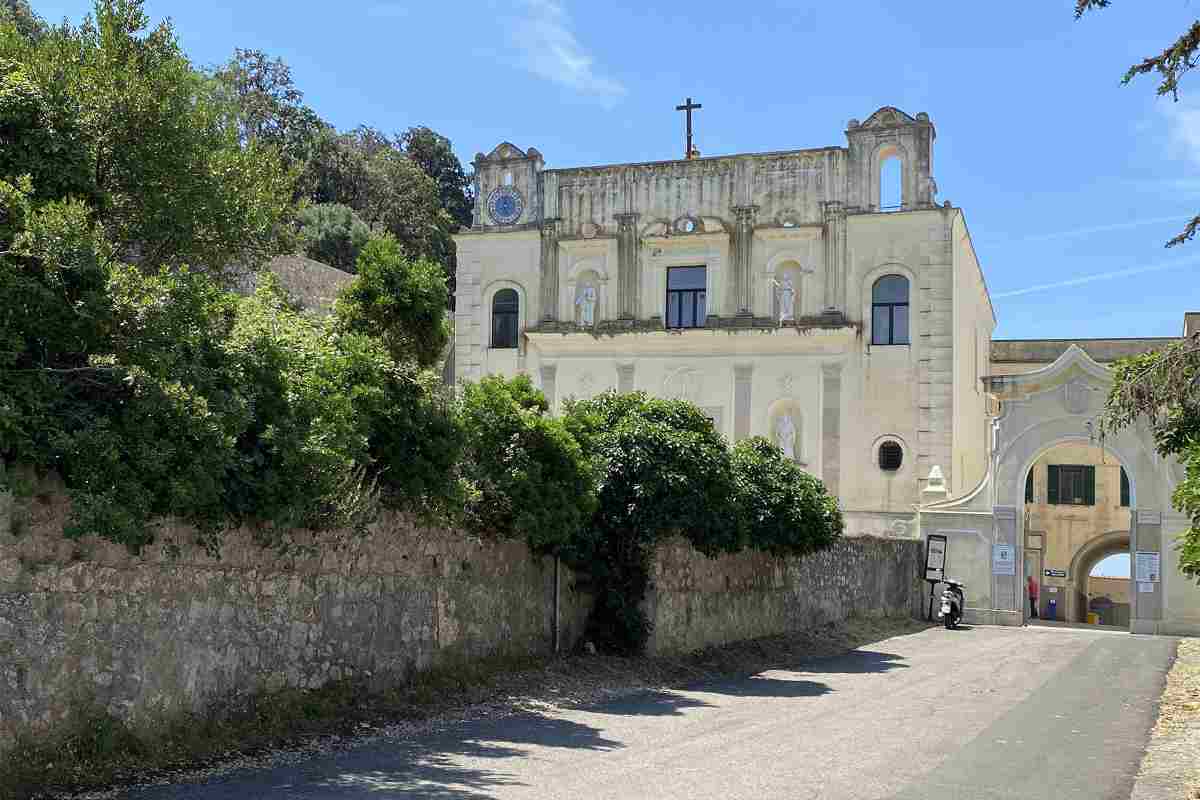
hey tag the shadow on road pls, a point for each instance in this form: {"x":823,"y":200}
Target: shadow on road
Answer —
{"x":856,"y":662}
{"x":438,"y":766}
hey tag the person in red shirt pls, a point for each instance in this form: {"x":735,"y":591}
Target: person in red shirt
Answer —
{"x":1033,"y":597}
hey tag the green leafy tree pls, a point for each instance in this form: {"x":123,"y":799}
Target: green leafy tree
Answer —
{"x":268,"y":108}
{"x":528,"y":476}
{"x":663,"y":470}
{"x":1164,"y":389}
{"x":370,"y":173}
{"x":333,"y":234}
{"x":400,"y":300}
{"x":782,"y":509}
{"x":167,"y":179}
{"x":433,"y":153}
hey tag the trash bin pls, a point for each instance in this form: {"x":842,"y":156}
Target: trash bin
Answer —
{"x":1093,"y":618}
{"x":1050,"y":611}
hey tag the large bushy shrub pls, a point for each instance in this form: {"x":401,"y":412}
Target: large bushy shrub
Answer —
{"x":662,"y":470}
{"x":782,"y":509}
{"x":400,"y":300}
{"x":527,"y":474}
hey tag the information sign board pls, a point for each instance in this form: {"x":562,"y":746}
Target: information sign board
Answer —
{"x":1146,"y":567}
{"x":935,"y":557}
{"x":1004,"y":560}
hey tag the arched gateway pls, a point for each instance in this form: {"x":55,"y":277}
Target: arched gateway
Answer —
{"x":986,"y":528}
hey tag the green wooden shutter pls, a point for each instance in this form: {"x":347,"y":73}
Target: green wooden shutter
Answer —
{"x":1052,"y":484}
{"x":1089,"y":485}
{"x":1029,"y":487}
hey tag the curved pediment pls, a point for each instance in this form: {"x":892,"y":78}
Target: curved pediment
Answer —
{"x":1073,"y":364}
{"x":505,"y":151}
{"x":888,"y":117}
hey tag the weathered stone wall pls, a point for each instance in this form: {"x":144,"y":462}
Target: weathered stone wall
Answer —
{"x":147,"y":634}
{"x":698,"y":601}
{"x":152,"y":633}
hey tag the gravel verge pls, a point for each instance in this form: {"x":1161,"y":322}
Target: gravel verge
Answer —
{"x":432,"y":703}
{"x":1171,"y":766}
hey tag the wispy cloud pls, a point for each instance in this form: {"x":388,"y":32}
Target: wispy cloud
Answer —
{"x":1093,"y":229}
{"x":549,"y":49}
{"x":1101,"y":276}
{"x":1183,"y":125}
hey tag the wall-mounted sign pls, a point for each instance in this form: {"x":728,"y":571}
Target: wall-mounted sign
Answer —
{"x":1055,"y":573}
{"x":935,"y":557}
{"x":1145,"y":588}
{"x":1146,"y":567}
{"x":1004,"y":559}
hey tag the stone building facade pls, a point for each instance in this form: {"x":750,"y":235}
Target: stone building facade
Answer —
{"x":774,"y":290}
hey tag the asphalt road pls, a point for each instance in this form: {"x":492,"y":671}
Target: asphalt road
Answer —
{"x":982,"y":713}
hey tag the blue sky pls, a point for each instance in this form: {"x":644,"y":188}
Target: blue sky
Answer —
{"x":1066,"y":177}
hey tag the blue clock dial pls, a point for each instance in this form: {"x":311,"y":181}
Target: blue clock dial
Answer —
{"x":505,"y":205}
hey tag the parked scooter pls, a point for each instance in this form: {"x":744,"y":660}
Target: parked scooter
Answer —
{"x":953,"y":603}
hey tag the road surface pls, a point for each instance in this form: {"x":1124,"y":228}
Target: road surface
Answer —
{"x":979,"y":713}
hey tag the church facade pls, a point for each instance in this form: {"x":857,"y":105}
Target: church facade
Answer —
{"x":776,"y":291}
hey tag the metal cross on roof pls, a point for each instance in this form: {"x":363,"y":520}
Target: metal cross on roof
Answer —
{"x":689,"y":107}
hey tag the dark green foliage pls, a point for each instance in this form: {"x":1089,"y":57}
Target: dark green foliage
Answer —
{"x":1163,"y":388}
{"x":333,"y":234}
{"x":783,"y":510}
{"x":267,"y":107}
{"x":432,"y":153}
{"x":662,"y":470}
{"x":401,"y":301}
{"x":165,"y":176}
{"x":527,"y":475}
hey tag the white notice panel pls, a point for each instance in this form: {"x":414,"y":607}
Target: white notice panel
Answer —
{"x":1004,"y":560}
{"x":1146,"y":567}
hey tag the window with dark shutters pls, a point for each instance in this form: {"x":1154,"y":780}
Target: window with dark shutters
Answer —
{"x":891,"y":456}
{"x":1124,"y":488}
{"x":1029,"y":486}
{"x":1071,"y":485}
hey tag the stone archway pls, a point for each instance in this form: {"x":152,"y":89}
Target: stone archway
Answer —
{"x":1038,"y":410}
{"x":1090,"y":554}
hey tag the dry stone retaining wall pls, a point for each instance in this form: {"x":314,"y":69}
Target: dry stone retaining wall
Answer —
{"x":143,"y":635}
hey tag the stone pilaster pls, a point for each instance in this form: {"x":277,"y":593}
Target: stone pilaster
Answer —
{"x":549,"y":384}
{"x":628,"y":266}
{"x":549,"y":267}
{"x":743,"y":375}
{"x":835,"y":256}
{"x":1005,"y":594}
{"x":624,"y":378}
{"x":831,"y":426}
{"x":742,"y":248}
{"x":1147,"y":607}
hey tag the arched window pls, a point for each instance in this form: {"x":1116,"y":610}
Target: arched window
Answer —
{"x":890,"y":192}
{"x":889,"y":310}
{"x":891,"y":456}
{"x":505,"y":309}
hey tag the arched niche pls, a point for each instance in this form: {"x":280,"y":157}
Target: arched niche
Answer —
{"x":583,"y":274}
{"x":785,"y":420}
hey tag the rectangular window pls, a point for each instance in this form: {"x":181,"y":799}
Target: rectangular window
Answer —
{"x":686,"y":297}
{"x":1071,"y":485}
{"x":1029,"y":487}
{"x":1124,"y":488}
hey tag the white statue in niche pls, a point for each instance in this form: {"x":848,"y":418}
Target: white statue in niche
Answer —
{"x":586,"y":301}
{"x":787,"y":299}
{"x":785,"y":436}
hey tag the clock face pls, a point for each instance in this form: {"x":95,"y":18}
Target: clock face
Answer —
{"x":505,"y":205}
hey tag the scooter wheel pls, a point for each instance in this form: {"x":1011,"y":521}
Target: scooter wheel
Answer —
{"x":950,"y":621}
